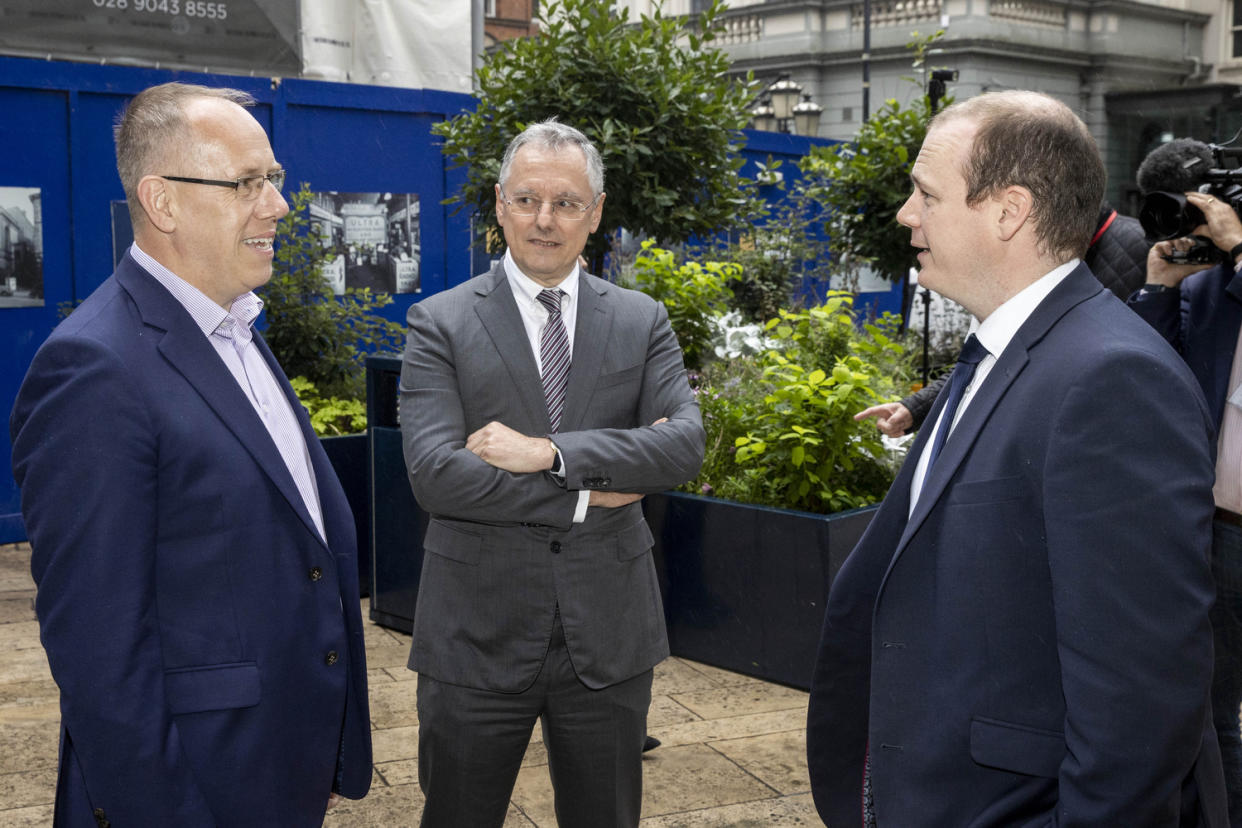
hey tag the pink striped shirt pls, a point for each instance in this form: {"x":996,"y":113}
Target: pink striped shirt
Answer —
{"x":229,"y":332}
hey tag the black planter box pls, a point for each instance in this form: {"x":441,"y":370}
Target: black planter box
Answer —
{"x":397,"y":524}
{"x":348,"y":456}
{"x":744,"y":586}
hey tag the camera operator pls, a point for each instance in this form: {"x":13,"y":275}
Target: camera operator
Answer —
{"x":1200,"y":313}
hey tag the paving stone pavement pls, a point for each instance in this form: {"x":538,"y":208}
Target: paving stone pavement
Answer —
{"x":732,"y":752}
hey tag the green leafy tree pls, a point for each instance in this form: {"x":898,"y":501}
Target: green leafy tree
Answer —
{"x":862,"y":184}
{"x":314,"y":334}
{"x":655,"y":97}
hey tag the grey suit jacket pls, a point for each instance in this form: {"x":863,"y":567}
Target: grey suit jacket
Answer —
{"x":501,"y":551}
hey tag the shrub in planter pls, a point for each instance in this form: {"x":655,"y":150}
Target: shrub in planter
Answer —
{"x":780,"y":423}
{"x":693,"y":294}
{"x":330,"y":416}
{"x":314,"y":334}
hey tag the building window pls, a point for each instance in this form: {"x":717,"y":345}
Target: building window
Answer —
{"x":1235,"y":30}
{"x":489,"y":8}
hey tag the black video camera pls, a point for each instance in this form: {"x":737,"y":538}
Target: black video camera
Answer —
{"x":1167,"y":215}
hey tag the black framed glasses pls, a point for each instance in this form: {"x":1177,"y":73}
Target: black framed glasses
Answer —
{"x":568,"y":209}
{"x":247,"y":187}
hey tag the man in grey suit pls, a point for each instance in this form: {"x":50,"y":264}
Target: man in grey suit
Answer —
{"x":538,"y":405}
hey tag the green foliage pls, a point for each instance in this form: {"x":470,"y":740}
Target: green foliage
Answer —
{"x":776,"y":246}
{"x":861,"y":185}
{"x":330,"y":416}
{"x":694,"y":294}
{"x":313,"y":333}
{"x":654,"y":97}
{"x":780,"y":427}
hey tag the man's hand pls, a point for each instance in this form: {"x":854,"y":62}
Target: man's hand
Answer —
{"x":498,"y":445}
{"x":334,"y":799}
{"x":1162,"y":272}
{"x":893,"y":419}
{"x":612,"y":500}
{"x":1223,"y":226}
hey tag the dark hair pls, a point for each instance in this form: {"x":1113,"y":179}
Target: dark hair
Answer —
{"x":1034,"y":141}
{"x":153,"y":127}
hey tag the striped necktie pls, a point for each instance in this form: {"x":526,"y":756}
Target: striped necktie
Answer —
{"x":554,"y":356}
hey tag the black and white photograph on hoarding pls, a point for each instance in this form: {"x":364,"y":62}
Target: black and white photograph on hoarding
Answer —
{"x":372,"y":240}
{"x":21,"y":247}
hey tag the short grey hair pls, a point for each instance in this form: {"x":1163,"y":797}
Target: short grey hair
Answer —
{"x":553,"y":135}
{"x":154,"y":126}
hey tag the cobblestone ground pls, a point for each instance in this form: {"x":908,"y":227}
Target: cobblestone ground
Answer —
{"x":732,"y":752}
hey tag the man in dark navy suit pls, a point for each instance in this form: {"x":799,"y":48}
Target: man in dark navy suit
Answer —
{"x":1011,"y":643}
{"x":194,"y":552}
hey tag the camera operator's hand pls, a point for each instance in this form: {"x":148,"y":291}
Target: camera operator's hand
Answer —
{"x":1163,"y":272}
{"x":1223,"y":226}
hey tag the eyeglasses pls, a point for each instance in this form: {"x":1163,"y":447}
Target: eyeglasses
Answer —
{"x":568,"y":209}
{"x":248,"y":186}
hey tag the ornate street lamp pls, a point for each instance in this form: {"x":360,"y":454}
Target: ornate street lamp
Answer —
{"x":778,"y":110}
{"x":806,"y":117}
{"x":763,"y":117}
{"x":784,"y":94}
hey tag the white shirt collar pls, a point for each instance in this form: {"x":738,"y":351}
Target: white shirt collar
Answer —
{"x":1002,"y":324}
{"x":527,"y":288}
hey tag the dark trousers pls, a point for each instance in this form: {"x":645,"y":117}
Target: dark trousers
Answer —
{"x":471,"y":743}
{"x":1227,"y":638}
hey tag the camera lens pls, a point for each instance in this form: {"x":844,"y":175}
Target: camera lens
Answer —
{"x":1168,"y":216}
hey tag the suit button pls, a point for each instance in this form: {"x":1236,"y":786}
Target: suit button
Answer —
{"x":330,"y":659}
{"x":555,"y":546}
{"x":101,"y":819}
{"x":316,"y":573}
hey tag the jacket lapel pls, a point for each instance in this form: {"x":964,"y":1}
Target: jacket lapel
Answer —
{"x":326,"y":483}
{"x":192,"y":355}
{"x":1075,"y":288}
{"x":498,"y":311}
{"x":591,"y":335}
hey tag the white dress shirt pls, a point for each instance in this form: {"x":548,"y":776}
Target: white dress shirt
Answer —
{"x":994,"y":333}
{"x":534,"y":317}
{"x":1228,"y":488}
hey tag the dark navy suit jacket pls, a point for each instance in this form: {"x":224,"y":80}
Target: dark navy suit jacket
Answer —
{"x":1029,"y":648}
{"x":206,"y":641}
{"x":1201,"y":320}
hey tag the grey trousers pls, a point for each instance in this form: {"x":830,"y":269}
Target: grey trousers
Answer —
{"x":471,"y":743}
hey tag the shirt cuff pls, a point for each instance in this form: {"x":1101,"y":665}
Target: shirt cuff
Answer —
{"x":584,"y":497}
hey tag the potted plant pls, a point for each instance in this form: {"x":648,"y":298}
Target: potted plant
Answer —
{"x":321,"y":340}
{"x":747,"y":551}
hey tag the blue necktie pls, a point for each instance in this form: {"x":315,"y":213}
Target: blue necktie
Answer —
{"x":972,"y":354}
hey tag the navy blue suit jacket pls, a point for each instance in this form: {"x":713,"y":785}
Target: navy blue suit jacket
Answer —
{"x":1028,"y":648}
{"x":207,"y":642}
{"x":1200,"y":320}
